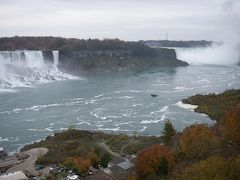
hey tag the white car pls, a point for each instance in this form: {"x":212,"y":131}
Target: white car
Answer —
{"x":73,"y":177}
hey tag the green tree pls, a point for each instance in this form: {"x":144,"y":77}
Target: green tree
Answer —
{"x":105,"y":159}
{"x":168,"y":131}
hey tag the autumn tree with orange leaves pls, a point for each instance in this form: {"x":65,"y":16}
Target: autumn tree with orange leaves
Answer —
{"x":79,"y":165}
{"x":156,"y":161}
{"x":197,"y":142}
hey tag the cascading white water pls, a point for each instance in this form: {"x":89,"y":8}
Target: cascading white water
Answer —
{"x":56,"y":57}
{"x":29,"y":58}
{"x":10,"y":57}
{"x":34,"y":58}
{"x":24,"y":68}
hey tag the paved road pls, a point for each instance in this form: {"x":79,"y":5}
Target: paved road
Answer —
{"x":28,"y":164}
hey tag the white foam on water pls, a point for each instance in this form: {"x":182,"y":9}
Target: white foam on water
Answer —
{"x":100,"y":95}
{"x":124,"y":123}
{"x":164,"y":109}
{"x":85,"y":123}
{"x":31,"y":129}
{"x":48,"y":129}
{"x":143,"y":129}
{"x":30,"y":120}
{"x":98,"y":112}
{"x":41,"y":130}
{"x":189,"y":107}
{"x":153,"y":121}
{"x":110,"y":98}
{"x":157,"y":116}
{"x":8,"y":90}
{"x":132,"y":91}
{"x":179,"y":88}
{"x":1,"y":139}
{"x":109,"y":129}
{"x":128,"y":115}
{"x":32,"y":108}
{"x":92,"y":101}
{"x":136,"y":105}
{"x":11,"y":139}
{"x":99,"y":125}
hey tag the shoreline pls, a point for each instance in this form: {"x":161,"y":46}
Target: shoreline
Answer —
{"x":180,"y":104}
{"x":186,"y":106}
{"x":192,"y":108}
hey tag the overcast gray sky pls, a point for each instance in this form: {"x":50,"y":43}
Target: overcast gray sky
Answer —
{"x":124,"y":19}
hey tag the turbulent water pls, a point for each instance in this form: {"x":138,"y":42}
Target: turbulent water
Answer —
{"x":112,"y":102}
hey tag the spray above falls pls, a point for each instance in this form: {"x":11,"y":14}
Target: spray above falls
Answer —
{"x":24,"y":68}
{"x":224,"y":54}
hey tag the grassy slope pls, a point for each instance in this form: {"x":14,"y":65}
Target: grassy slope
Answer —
{"x":74,"y":143}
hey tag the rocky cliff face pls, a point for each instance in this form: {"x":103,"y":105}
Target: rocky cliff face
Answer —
{"x":117,"y":60}
{"x":91,"y":55}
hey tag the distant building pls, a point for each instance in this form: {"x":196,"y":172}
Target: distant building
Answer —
{"x":3,"y":153}
{"x":18,"y":175}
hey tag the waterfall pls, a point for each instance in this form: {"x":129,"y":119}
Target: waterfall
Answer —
{"x":9,"y":57}
{"x":25,"y":67}
{"x":34,"y":58}
{"x":55,"y":57}
{"x":224,"y":54}
{"x":29,"y":58}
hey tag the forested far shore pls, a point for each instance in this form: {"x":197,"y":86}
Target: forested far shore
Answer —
{"x":172,"y":43}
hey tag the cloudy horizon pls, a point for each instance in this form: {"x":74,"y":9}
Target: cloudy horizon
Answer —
{"x":127,"y":20}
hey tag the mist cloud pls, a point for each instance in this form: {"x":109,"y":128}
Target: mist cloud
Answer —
{"x":229,"y":31}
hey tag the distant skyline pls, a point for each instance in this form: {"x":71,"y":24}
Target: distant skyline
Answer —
{"x":125,"y":19}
